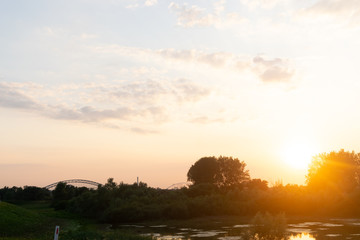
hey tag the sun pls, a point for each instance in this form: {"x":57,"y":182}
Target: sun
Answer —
{"x":298,"y":155}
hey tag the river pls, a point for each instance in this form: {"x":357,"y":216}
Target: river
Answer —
{"x":305,"y":230}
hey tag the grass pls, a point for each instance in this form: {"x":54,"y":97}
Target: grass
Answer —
{"x":18,"y":221}
{"x":37,"y":221}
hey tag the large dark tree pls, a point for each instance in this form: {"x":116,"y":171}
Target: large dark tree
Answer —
{"x":204,"y":171}
{"x":221,"y":171}
{"x":337,"y":171}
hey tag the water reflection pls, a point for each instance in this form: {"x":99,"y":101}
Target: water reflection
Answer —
{"x":302,"y":236}
{"x":338,"y":229}
{"x":207,"y":234}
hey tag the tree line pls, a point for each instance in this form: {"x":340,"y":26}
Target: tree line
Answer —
{"x":221,"y":186}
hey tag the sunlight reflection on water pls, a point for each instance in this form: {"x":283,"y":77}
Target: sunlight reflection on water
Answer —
{"x":335,"y":229}
{"x":302,"y":236}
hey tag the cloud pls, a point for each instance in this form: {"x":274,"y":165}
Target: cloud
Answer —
{"x":131,"y":6}
{"x":217,"y":116}
{"x":216,"y":59}
{"x":143,"y":131}
{"x":252,"y":4}
{"x":140,"y":91}
{"x":347,"y":11}
{"x":207,"y":120}
{"x":187,"y":91}
{"x":154,"y":92}
{"x":149,"y":3}
{"x":13,"y":98}
{"x":275,"y":70}
{"x":91,"y":114}
{"x":86,"y":36}
{"x":142,"y":3}
{"x":113,"y":105}
{"x":144,"y":97}
{"x":191,"y":16}
{"x":335,"y":7}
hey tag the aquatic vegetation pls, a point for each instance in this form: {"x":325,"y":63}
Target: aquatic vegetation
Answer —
{"x":267,"y":227}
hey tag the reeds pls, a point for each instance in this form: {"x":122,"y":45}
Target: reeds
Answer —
{"x":267,"y":227}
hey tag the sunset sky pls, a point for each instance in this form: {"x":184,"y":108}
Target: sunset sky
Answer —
{"x":94,"y":89}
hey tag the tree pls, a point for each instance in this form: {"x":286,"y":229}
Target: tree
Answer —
{"x":337,"y":171}
{"x":231,"y":172}
{"x":203,"y":171}
{"x":32,"y":193}
{"x":257,"y":184}
{"x":221,"y":171}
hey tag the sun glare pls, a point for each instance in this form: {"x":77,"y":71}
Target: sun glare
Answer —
{"x":298,"y":155}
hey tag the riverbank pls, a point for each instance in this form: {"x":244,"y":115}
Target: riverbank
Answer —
{"x":37,"y":220}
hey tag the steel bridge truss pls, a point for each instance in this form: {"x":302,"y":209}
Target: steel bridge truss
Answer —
{"x":83,"y":181}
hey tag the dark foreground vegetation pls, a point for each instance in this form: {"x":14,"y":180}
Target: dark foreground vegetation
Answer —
{"x":221,"y":186}
{"x":37,"y":220}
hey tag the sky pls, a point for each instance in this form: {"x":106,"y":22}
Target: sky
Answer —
{"x":93,"y":89}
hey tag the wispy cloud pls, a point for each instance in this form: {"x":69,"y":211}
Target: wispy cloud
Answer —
{"x":143,"y":131}
{"x":348,"y":7}
{"x":189,"y":92}
{"x":191,"y":16}
{"x":208,"y":120}
{"x":142,"y":3}
{"x":216,"y":59}
{"x":252,"y":4}
{"x":266,"y":70}
{"x":86,"y":36}
{"x":147,"y":101}
{"x":90,"y":114}
{"x":273,"y":70}
{"x":11,"y":97}
{"x":150,"y":2}
{"x":347,"y":11}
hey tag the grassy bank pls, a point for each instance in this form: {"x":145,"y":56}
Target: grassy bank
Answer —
{"x":37,"y":220}
{"x":18,"y":221}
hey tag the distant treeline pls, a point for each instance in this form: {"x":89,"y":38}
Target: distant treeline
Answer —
{"x":27,"y":193}
{"x":221,"y":186}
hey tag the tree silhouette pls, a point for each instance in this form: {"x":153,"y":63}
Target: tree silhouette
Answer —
{"x":337,"y":171}
{"x":221,"y":171}
{"x":203,"y":171}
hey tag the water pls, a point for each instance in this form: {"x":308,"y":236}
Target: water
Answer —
{"x":332,"y":229}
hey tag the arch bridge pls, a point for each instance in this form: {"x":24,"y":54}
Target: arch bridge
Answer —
{"x":179,"y":185}
{"x":82,"y":181}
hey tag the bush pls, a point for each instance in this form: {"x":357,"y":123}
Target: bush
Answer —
{"x":268,"y":227}
{"x":130,"y":212}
